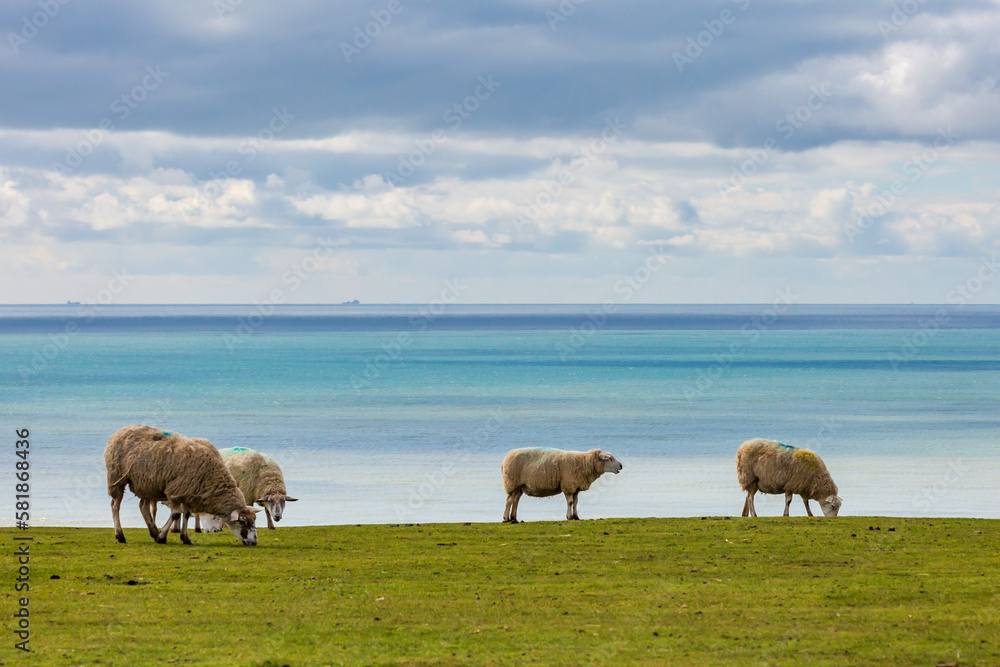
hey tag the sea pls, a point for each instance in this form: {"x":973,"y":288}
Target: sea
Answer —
{"x":403,"y":413}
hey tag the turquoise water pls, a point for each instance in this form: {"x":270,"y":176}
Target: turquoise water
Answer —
{"x":374,"y":426}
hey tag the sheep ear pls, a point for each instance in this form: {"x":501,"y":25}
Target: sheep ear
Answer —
{"x":235,"y":516}
{"x":261,"y":500}
{"x":255,"y":510}
{"x":290,"y":500}
{"x":604,"y":456}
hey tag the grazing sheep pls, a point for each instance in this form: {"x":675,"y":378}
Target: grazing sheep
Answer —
{"x":771,"y":467}
{"x":258,"y":477}
{"x":187,"y":474}
{"x":546,"y":472}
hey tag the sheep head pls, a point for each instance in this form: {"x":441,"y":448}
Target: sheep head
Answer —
{"x":831,"y":505}
{"x":275,"y":504}
{"x":241,"y":523}
{"x":611,"y":464}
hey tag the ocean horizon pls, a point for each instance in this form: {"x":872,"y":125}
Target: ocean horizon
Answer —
{"x":402,"y":413}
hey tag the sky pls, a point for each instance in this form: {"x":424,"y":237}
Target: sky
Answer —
{"x":520,"y":151}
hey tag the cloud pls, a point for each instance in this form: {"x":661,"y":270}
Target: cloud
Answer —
{"x":784,"y":138}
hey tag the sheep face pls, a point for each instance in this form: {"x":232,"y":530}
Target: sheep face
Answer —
{"x":276,"y":504}
{"x":611,"y":464}
{"x":831,"y":505}
{"x":241,"y":523}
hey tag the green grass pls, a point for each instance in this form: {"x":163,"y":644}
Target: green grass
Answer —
{"x":766,"y":591}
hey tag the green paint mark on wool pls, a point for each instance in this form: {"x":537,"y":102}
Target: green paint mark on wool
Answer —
{"x":232,"y":451}
{"x":807,"y":458}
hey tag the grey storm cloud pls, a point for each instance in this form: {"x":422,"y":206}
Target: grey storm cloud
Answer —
{"x":228,"y":67}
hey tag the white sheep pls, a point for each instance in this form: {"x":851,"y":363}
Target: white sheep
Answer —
{"x":546,"y":472}
{"x":259,"y":477}
{"x":771,"y":467}
{"x":187,"y":474}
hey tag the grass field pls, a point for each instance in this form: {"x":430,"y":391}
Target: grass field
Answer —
{"x":767,"y":591}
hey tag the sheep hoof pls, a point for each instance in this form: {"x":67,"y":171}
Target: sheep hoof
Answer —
{"x":185,"y":539}
{"x":120,"y":537}
{"x":197,"y":530}
{"x":160,"y":540}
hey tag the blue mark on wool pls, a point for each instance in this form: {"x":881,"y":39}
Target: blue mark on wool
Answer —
{"x":168,"y":432}
{"x":239,"y":449}
{"x":781,"y":444}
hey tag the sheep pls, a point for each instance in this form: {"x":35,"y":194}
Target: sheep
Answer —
{"x":258,"y":477}
{"x":771,"y":467}
{"x":546,"y":472}
{"x":187,"y":474}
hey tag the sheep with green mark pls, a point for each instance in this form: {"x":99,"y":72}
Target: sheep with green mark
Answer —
{"x":258,"y":477}
{"x":769,"y":466}
{"x":187,"y":474}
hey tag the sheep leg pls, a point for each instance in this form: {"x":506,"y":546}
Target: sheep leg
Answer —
{"x":116,"y":503}
{"x":788,"y":502}
{"x":806,"y":501}
{"x":146,"y":507}
{"x":570,"y":513}
{"x":267,"y":513}
{"x":184,"y":528}
{"x":512,"y":501}
{"x":175,"y":517}
{"x":197,"y":523}
{"x":748,"y":508}
{"x":176,"y":528}
{"x":576,"y":501}
{"x":507,"y":507}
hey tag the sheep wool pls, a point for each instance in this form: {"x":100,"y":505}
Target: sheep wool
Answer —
{"x":185,"y":473}
{"x":541,"y":472}
{"x":259,"y":477}
{"x":772,"y":467}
